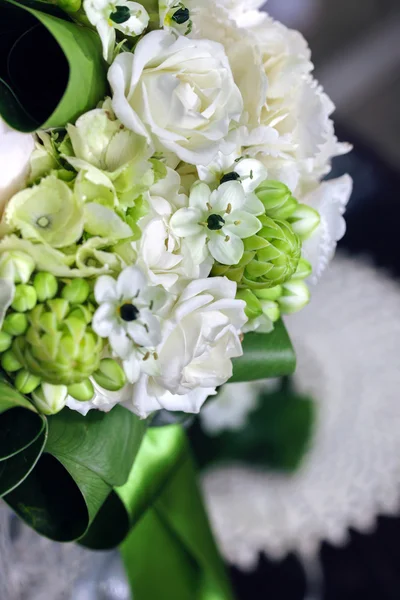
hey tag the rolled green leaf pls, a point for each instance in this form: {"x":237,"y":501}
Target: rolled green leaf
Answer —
{"x":23,"y":435}
{"x":174,"y":539}
{"x":37,"y":47}
{"x":83,"y":459}
{"x":159,"y":456}
{"x":265,"y":356}
{"x":169,"y":534}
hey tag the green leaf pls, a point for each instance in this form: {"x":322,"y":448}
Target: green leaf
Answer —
{"x":23,"y":435}
{"x":15,"y":469}
{"x":276,"y":436}
{"x":83,"y":459}
{"x":51,"y":70}
{"x":265,"y":355}
{"x":173,"y":538}
{"x":159,"y":456}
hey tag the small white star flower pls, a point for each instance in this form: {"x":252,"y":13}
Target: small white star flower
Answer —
{"x":127,"y":312}
{"x":130,"y":18}
{"x":216,"y":222}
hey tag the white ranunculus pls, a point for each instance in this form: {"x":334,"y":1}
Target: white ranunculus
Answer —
{"x":178,"y":93}
{"x":212,"y":22}
{"x":330,"y":199}
{"x":199,"y":340}
{"x":130,"y":18}
{"x":15,"y":151}
{"x":295,"y":139}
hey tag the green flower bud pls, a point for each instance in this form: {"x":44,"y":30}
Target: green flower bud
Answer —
{"x":83,"y":391}
{"x":304,"y":270}
{"x":10,"y":362}
{"x":25,"y":382}
{"x":70,"y":6}
{"x":50,"y":399}
{"x":270,"y":258}
{"x":5,"y":341}
{"x":269,"y":293}
{"x":277,"y":199}
{"x":17,"y":266}
{"x":15,"y":324}
{"x":110,"y":375}
{"x":271,"y":310}
{"x":76,"y":292}
{"x":25,"y":298}
{"x":295,"y":296}
{"x":304,"y":221}
{"x":46,"y":286}
{"x":253,"y":305}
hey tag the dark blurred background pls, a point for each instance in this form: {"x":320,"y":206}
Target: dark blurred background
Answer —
{"x":356,"y":52}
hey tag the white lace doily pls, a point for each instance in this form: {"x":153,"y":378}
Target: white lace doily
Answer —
{"x":348,"y":348}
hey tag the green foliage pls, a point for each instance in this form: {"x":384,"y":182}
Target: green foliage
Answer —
{"x":276,"y":436}
{"x":23,"y":435}
{"x":39,"y":46}
{"x":265,"y":355}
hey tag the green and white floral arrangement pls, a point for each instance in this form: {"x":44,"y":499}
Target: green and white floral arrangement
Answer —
{"x":162,"y":207}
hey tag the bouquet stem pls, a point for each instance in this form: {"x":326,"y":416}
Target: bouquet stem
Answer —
{"x":171,"y":552}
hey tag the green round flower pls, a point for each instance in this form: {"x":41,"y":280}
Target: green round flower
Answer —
{"x":59,"y":346}
{"x":48,"y":212}
{"x":271,"y":257}
{"x":277,"y":199}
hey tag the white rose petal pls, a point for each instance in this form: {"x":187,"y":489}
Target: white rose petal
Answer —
{"x":330,"y":200}
{"x":178,"y":93}
{"x":194,"y":357}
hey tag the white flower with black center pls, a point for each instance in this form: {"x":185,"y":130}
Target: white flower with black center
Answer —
{"x":127,"y":312}
{"x":216,"y":222}
{"x":130,"y":18}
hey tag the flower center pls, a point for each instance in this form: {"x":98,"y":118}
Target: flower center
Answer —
{"x":120,"y":15}
{"x":43,"y":222}
{"x":215,"y":222}
{"x":230,"y":177}
{"x":181,"y":16}
{"x":128,"y":312}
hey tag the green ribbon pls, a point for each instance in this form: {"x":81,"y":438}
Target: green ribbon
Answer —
{"x":171,"y":551}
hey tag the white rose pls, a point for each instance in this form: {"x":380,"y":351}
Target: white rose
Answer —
{"x":295,"y":139}
{"x":194,"y":357}
{"x":212,"y":22}
{"x":15,"y":151}
{"x":178,"y":93}
{"x":330,"y":199}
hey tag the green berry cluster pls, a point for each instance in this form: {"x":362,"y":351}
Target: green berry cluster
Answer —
{"x":47,"y":345}
{"x":271,"y":273}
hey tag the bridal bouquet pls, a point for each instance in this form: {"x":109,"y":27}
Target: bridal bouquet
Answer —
{"x":162,"y":206}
